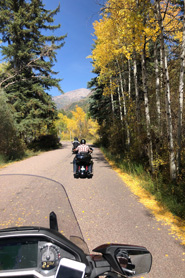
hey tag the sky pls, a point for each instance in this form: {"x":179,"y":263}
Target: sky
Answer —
{"x":76,"y":18}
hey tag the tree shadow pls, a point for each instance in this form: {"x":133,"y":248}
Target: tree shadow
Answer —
{"x":99,"y":158}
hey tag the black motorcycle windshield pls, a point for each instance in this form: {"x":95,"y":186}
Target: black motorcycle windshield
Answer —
{"x":27,"y":200}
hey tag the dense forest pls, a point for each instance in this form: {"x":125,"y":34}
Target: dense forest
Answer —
{"x":28,"y":47}
{"x":138,"y":60}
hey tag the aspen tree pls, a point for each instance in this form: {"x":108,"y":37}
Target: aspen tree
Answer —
{"x":136,"y":92}
{"x":147,"y":111}
{"x":124,"y":104}
{"x":120,"y":35}
{"x":120,"y":105}
{"x":158,"y":102}
{"x":181,"y":96}
{"x":112,"y":97}
{"x":167,"y":93}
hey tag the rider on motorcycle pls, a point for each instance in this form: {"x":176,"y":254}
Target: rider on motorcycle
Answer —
{"x":75,"y":143}
{"x":82,"y":148}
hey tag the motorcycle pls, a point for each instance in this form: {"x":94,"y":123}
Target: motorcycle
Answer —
{"x":84,"y":165}
{"x":35,"y":236}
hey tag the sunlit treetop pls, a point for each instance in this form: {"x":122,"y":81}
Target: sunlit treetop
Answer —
{"x":172,"y":15}
{"x":123,"y":30}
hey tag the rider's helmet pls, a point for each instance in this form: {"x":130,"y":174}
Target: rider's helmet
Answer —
{"x":83,"y":141}
{"x":75,"y":139}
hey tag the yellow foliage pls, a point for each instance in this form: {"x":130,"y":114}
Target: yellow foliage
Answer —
{"x":71,"y":124}
{"x":79,"y":114}
{"x":122,"y":31}
{"x":93,"y":128}
{"x":172,"y":20}
{"x":79,"y":125}
{"x":61,"y":122}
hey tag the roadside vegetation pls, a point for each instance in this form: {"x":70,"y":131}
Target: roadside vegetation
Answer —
{"x":140,"y":183}
{"x":138,"y":93}
{"x":154,"y":185}
{"x":27,"y":112}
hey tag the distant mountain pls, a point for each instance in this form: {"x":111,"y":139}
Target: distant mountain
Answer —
{"x":67,"y":100}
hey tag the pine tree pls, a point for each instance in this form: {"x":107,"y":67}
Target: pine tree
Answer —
{"x":11,"y":146}
{"x":30,"y":55}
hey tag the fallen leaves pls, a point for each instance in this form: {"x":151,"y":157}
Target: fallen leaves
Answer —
{"x":177,"y":226}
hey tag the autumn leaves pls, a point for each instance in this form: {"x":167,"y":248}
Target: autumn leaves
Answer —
{"x":136,"y":45}
{"x":78,"y":124}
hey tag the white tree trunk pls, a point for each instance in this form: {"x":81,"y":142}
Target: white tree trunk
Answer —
{"x":124,"y":105}
{"x":120,"y":104}
{"x":158,"y":103}
{"x":147,"y":112}
{"x":167,"y":94}
{"x":129,"y":79}
{"x":137,"y":94}
{"x":112,"y":98}
{"x":181,"y":96}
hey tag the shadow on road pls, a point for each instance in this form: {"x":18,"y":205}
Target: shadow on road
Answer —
{"x":99,"y":157}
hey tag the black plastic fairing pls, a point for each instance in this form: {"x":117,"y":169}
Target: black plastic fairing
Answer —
{"x":47,"y":234}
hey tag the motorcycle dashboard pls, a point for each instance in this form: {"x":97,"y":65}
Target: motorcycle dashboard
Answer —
{"x":32,"y":256}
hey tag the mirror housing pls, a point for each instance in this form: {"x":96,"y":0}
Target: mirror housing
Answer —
{"x":128,"y":260}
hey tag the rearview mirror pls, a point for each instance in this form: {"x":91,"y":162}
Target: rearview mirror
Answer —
{"x":128,"y":260}
{"x":133,"y":261}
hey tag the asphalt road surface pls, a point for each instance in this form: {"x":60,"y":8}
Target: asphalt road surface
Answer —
{"x":106,"y":209}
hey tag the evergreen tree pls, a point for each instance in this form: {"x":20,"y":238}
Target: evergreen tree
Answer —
{"x":99,"y":103}
{"x":100,"y":109}
{"x":11,"y":146}
{"x":30,"y":55}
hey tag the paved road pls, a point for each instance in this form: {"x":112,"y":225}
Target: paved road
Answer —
{"x":107,"y":211}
